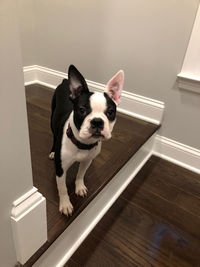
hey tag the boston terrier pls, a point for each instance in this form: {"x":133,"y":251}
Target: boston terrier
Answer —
{"x":80,"y":121}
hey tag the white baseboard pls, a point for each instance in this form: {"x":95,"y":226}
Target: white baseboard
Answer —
{"x":134,"y":105}
{"x":178,"y":153}
{"x":29,"y":224}
{"x":67,"y":243}
{"x":189,"y":82}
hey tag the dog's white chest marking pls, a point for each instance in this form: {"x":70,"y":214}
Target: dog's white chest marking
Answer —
{"x":70,"y":153}
{"x":82,"y":155}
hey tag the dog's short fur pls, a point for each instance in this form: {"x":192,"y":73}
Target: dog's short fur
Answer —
{"x":89,"y":118}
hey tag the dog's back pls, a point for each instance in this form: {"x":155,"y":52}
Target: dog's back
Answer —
{"x":61,"y":106}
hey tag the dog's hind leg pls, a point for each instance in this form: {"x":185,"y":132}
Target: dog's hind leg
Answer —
{"x":53,"y":106}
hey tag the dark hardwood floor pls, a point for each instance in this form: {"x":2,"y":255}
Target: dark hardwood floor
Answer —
{"x":155,"y":222}
{"x":128,"y":136}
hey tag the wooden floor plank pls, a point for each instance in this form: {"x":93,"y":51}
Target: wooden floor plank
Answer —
{"x":177,"y":215}
{"x":170,"y":172}
{"x":189,"y":202}
{"x":112,"y":255}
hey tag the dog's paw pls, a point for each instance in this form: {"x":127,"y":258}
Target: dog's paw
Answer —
{"x":81,"y":190}
{"x":51,"y":155}
{"x":65,"y":206}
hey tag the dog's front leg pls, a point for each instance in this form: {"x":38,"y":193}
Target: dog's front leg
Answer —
{"x":65,"y":205}
{"x":81,"y":189}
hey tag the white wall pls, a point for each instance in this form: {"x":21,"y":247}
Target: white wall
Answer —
{"x":191,"y":63}
{"x":26,"y":16}
{"x":148,"y":39}
{"x":15,"y":164}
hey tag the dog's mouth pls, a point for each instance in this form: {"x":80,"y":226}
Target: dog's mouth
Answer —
{"x":97,"y":134}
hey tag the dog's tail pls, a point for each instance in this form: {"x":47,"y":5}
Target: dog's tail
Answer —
{"x":53,"y":106}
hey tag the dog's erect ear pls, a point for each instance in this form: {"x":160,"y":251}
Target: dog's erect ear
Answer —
{"x":77,"y":83}
{"x":114,"y":86}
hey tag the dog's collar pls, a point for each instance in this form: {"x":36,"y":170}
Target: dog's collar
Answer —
{"x":80,"y":145}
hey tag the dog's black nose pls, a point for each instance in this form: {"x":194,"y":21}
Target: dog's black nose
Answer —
{"x":97,"y":123}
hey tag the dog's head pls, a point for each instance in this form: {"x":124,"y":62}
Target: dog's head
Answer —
{"x":94,"y":113}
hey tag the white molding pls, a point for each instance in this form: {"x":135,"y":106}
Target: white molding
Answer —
{"x":178,"y":153}
{"x":134,"y":105}
{"x":189,"y":82}
{"x":189,"y":78}
{"x":67,"y":243}
{"x":30,"y":75}
{"x":29,"y":224}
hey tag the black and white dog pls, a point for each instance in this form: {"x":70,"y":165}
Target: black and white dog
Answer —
{"x":80,"y":120}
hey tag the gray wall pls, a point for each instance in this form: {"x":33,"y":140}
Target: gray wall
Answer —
{"x":15,"y":164}
{"x":26,"y":14}
{"x":148,"y":39}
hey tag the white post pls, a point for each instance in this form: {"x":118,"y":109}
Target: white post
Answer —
{"x":15,"y":162}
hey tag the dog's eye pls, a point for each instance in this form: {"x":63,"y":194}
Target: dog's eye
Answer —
{"x":110,"y":113}
{"x":82,"y":110}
